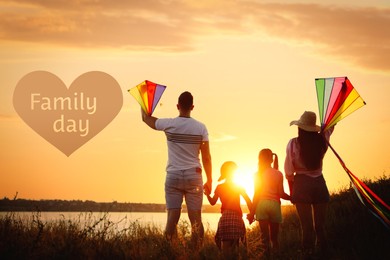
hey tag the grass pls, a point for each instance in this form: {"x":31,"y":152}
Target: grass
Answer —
{"x":353,"y":233}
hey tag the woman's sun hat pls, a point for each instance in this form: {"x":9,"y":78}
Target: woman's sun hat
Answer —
{"x":307,"y":122}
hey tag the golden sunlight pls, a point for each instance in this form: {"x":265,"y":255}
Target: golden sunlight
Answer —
{"x":244,"y":177}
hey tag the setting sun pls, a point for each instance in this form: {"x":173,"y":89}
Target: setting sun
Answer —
{"x":244,"y":178}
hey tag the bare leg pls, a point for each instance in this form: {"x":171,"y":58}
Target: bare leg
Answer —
{"x":319,"y":224}
{"x":306,"y":219}
{"x":172,"y":220}
{"x":195,"y":217}
{"x":274,"y":235}
{"x":230,"y":249}
{"x":264,"y":228}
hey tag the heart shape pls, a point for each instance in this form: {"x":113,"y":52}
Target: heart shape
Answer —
{"x":67,"y":118}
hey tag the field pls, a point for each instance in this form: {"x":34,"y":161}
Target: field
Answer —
{"x":353,"y":233}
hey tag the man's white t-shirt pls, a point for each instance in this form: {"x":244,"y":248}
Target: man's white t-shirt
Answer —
{"x":184,"y":138}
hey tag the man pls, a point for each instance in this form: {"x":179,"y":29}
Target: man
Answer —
{"x":186,"y":139}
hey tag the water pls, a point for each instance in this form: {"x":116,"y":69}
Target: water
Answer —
{"x":121,"y":220}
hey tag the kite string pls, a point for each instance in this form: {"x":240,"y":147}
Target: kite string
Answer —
{"x":353,"y":177}
{"x":363,"y":191}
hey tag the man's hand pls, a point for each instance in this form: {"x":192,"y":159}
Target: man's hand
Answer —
{"x":149,"y":120}
{"x":207,"y":188}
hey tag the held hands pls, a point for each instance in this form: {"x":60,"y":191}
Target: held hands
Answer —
{"x":207,"y":189}
{"x":250,"y":217}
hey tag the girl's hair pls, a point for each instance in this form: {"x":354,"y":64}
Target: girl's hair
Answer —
{"x":313,"y":148}
{"x":265,"y":159}
{"x":276,"y":161}
{"x":265,"y":156}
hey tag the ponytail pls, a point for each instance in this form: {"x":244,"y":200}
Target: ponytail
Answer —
{"x":266,"y":157}
{"x":276,"y":161}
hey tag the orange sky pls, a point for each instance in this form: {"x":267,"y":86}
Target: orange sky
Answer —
{"x":250,"y":65}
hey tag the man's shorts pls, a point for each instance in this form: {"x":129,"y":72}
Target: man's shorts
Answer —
{"x":187,"y":184}
{"x":269,"y":210}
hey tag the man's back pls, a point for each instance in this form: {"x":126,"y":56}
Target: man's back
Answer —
{"x":184,"y":138}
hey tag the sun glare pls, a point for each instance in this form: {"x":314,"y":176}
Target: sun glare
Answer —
{"x":244,"y":178}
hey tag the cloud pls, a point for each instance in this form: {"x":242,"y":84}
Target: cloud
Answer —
{"x":221,"y":137}
{"x":96,"y":24}
{"x":358,"y":36}
{"x":4,"y":117}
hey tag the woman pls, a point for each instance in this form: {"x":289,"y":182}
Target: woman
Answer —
{"x":303,"y":169}
{"x":266,"y":200}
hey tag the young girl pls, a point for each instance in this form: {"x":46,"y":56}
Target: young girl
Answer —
{"x":231,"y":227}
{"x":266,"y":200}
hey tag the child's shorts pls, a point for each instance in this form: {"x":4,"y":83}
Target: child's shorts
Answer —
{"x":269,"y":210}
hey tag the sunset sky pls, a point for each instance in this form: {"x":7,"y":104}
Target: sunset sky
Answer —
{"x":250,"y":65}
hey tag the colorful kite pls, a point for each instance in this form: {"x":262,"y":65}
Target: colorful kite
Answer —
{"x":337,"y":98}
{"x":148,"y":95}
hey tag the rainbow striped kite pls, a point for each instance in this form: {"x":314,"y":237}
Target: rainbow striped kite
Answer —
{"x":148,"y":95}
{"x":337,"y":98}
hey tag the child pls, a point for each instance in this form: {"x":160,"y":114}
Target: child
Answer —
{"x":266,"y":200}
{"x":231,"y":227}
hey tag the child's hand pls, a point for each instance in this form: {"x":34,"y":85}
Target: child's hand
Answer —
{"x":206,"y":190}
{"x":250,"y":217}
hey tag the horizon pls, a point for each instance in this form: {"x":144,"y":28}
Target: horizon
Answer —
{"x":250,"y":65}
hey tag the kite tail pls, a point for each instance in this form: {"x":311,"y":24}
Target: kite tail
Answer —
{"x":369,"y":199}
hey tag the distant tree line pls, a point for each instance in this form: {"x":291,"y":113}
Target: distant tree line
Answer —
{"x":77,"y":205}
{"x":9,"y":205}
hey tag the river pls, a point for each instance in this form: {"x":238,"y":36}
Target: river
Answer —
{"x":120,"y":220}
